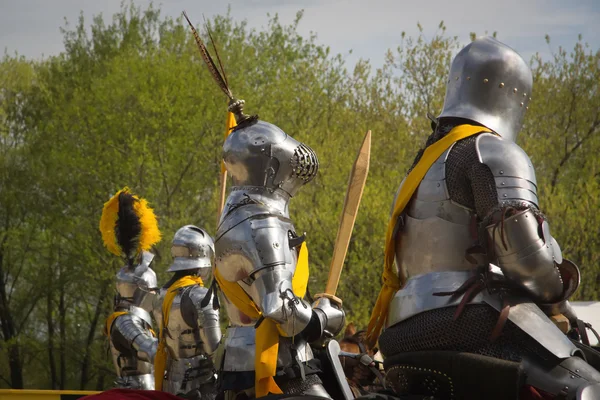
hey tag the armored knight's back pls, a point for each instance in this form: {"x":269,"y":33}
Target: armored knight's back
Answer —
{"x":193,"y":336}
{"x":129,"y":229}
{"x":132,"y":342}
{"x":188,"y":320}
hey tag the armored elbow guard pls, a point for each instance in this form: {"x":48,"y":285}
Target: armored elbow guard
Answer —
{"x":133,"y":329}
{"x":278,"y":302}
{"x":528,"y":255}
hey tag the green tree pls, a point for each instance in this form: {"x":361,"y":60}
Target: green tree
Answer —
{"x":131,"y":103}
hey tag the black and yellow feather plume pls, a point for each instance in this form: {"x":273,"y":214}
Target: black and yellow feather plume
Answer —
{"x":128,"y":225}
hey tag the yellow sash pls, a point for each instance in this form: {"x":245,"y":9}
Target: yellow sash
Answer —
{"x":160,"y":360}
{"x":109,"y":321}
{"x":390,"y":281}
{"x":267,"y":333}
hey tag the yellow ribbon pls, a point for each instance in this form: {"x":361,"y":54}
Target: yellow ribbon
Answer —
{"x":109,"y":321}
{"x":267,"y":333}
{"x":390,"y":281}
{"x":229,"y":125}
{"x":160,"y":360}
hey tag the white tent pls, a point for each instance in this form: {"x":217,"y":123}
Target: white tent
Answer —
{"x":589,"y":311}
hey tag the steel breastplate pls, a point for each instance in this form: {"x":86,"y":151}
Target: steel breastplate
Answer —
{"x":433,"y":232}
{"x":183,"y":338}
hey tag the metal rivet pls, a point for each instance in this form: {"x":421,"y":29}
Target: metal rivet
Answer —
{"x":438,"y":185}
{"x":501,"y":85}
{"x":524,"y":94}
{"x":572,"y":376}
{"x":485,"y":80}
{"x":576,"y":370}
{"x":501,"y":172}
{"x":527,"y":108}
{"x":276,"y":245}
{"x":457,"y":78}
{"x":530,"y":99}
{"x":468,"y":78}
{"x":505,"y":195}
{"x":515,"y":90}
{"x":503,"y":183}
{"x":522,"y":104}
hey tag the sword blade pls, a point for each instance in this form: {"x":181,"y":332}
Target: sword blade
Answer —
{"x":356,"y":186}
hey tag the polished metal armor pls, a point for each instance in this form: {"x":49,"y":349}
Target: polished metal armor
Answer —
{"x":193,"y":332}
{"x":442,"y":244}
{"x":256,"y":245}
{"x":192,"y":249}
{"x":132,"y":343}
{"x":489,"y":83}
{"x":525,"y":252}
{"x":262,"y":155}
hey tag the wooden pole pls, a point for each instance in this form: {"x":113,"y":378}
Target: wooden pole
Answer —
{"x":356,"y":186}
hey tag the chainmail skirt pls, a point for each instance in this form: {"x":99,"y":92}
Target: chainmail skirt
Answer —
{"x":436,"y":330}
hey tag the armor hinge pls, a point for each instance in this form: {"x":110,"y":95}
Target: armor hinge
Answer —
{"x":294,"y":240}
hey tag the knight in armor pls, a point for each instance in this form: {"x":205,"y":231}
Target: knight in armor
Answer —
{"x":129,"y":229}
{"x":262,"y":263}
{"x":477,"y":274}
{"x":188,"y":317}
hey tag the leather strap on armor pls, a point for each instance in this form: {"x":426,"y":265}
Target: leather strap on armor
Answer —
{"x":391,"y":282}
{"x":160,"y":361}
{"x":267,"y":334}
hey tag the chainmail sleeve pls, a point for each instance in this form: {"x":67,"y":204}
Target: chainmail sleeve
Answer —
{"x":470,"y":183}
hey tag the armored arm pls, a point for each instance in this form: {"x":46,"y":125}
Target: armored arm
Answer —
{"x":294,"y":315}
{"x":136,"y":331}
{"x":274,"y":296}
{"x":517,"y":234}
{"x":208,"y":319}
{"x":136,"y":293}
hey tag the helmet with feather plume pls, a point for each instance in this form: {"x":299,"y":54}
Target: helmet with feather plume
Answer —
{"x":128,"y":225}
{"x":259,"y":153}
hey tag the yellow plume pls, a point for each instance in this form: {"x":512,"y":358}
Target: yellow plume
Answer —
{"x":108,"y":223}
{"x":150,"y":233}
{"x":143,"y":229}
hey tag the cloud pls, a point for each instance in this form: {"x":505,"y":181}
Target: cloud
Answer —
{"x":369,"y":28}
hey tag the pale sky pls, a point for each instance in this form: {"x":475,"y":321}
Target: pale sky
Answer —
{"x":367,"y":27}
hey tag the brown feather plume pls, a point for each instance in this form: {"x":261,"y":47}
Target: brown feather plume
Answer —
{"x":212,"y":41}
{"x":214,"y":71}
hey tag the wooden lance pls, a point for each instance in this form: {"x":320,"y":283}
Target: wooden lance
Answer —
{"x":356,"y":186}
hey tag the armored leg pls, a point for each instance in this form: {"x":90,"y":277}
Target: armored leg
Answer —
{"x":564,"y":378}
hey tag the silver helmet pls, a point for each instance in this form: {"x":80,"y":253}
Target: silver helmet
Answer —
{"x":261,"y":154}
{"x":192,"y":248}
{"x":489,"y":83}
